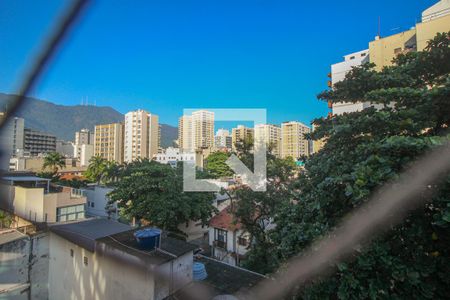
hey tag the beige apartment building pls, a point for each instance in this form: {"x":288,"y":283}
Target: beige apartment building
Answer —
{"x":270,"y":135}
{"x":185,"y":133}
{"x":109,"y":141}
{"x":34,"y":199}
{"x":196,"y":131}
{"x":141,"y":138}
{"x":241,"y":134}
{"x":293,"y":142}
{"x":318,"y":144}
{"x":434,"y":19}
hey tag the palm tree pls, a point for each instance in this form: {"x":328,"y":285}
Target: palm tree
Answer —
{"x":96,"y":169}
{"x":112,"y":171}
{"x":54,"y":161}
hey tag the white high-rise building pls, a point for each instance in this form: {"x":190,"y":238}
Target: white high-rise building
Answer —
{"x":196,"y":131}
{"x":223,"y":139}
{"x":270,"y":135}
{"x":13,"y":136}
{"x":82,"y":137}
{"x":141,"y":135}
{"x":338,"y":73}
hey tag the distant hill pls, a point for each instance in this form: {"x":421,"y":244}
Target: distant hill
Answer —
{"x":63,"y":121}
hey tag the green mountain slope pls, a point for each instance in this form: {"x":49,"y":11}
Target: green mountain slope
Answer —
{"x":63,"y":121}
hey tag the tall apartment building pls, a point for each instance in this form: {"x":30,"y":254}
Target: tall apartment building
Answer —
{"x":109,"y":140}
{"x":270,"y":135}
{"x":293,"y":142}
{"x":37,"y":142}
{"x":12,"y":136}
{"x":196,"y":131}
{"x":338,"y":72}
{"x":382,"y":51}
{"x":241,"y":134}
{"x":141,"y":139}
{"x":222,"y":139}
{"x":434,"y":19}
{"x":318,"y":144}
{"x":82,"y":137}
{"x":185,"y":139}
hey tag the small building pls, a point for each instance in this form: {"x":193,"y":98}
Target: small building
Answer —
{"x":97,"y":201}
{"x":172,"y":156}
{"x":34,"y":199}
{"x":101,"y":259}
{"x":228,"y":241}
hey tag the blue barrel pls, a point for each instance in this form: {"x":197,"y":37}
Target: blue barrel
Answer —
{"x":148,"y":238}
{"x":199,"y":271}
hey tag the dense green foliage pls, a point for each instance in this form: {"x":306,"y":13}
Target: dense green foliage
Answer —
{"x":6,"y":219}
{"x":150,"y":191}
{"x":256,"y":210}
{"x":363,"y":151}
{"x":216,"y":166}
{"x":102,"y":171}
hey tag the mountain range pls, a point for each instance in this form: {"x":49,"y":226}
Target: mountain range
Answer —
{"x":64,"y":120}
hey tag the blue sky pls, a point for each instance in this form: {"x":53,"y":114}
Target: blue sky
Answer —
{"x":165,"y":56}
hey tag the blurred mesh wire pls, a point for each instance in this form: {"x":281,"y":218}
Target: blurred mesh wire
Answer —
{"x":386,"y":208}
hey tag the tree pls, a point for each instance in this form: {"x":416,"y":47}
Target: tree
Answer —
{"x":153,"y":192}
{"x":216,"y":166}
{"x":6,"y":219}
{"x":53,"y":161}
{"x":363,"y":151}
{"x":96,"y":169}
{"x":257,"y":211}
{"x":112,"y":172}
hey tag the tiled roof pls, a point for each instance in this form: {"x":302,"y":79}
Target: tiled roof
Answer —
{"x":225,"y":220}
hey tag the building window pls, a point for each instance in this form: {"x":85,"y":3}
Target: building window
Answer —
{"x":71,"y":252}
{"x":69,"y":213}
{"x":85,"y":260}
{"x":242,"y":241}
{"x":220,"y":238}
{"x":352,"y":57}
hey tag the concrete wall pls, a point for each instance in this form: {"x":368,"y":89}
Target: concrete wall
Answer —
{"x":173,"y":275}
{"x":24,"y":260}
{"x":29,"y":203}
{"x":14,"y":268}
{"x":101,"y":278}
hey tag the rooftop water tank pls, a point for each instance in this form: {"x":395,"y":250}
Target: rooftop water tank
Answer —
{"x":148,"y":238}
{"x":199,"y":271}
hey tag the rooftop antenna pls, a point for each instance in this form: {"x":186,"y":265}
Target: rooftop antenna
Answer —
{"x":379,"y":26}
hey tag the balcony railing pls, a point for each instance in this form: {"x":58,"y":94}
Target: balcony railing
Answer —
{"x":220,"y":244}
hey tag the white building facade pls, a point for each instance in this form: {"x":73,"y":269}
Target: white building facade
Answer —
{"x":141,"y":138}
